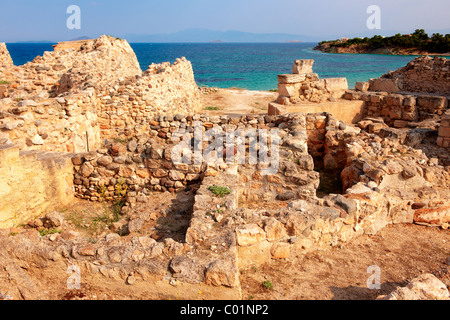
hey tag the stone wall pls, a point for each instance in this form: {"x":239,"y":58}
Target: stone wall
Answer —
{"x":70,"y":99}
{"x":385,"y":183}
{"x":129,"y":107}
{"x":5,"y":58}
{"x":398,"y":109}
{"x":63,"y":124}
{"x":144,"y":163}
{"x":444,"y":131}
{"x":32,"y":184}
{"x":423,"y":74}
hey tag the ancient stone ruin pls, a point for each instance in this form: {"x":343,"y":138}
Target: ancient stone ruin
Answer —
{"x":85,"y":125}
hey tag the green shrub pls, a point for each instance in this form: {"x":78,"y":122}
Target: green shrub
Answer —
{"x":267,"y":285}
{"x":220,"y":191}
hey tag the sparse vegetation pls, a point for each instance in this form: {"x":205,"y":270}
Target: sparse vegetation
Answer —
{"x":220,"y":191}
{"x":267,"y":285}
{"x":44,"y":232}
{"x":209,"y":108}
{"x":4,"y":82}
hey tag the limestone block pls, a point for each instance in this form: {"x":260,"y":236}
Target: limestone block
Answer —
{"x":275,"y":230}
{"x":362,"y":86}
{"x":386,"y":85}
{"x":433,"y":217}
{"x":432,"y":102}
{"x":303,"y":66}
{"x":291,"y":78}
{"x":280,"y":251}
{"x":222,"y":273}
{"x":249,"y":235}
{"x":444,"y":132}
{"x":276,"y":109}
{"x":288,"y":90}
{"x":336,"y":84}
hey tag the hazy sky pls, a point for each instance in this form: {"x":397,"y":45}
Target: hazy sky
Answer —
{"x":22,"y":20}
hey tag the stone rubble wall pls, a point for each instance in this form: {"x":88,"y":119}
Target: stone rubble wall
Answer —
{"x":70,"y":99}
{"x":385,"y":183}
{"x":399,"y":109}
{"x":129,"y":107}
{"x":303,"y":85}
{"x":64,"y":124}
{"x":5,"y":58}
{"x":423,"y":74}
{"x":32,"y":183}
{"x":144,"y":163}
{"x":444,"y":131}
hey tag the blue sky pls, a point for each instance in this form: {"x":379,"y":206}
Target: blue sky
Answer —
{"x":22,"y":20}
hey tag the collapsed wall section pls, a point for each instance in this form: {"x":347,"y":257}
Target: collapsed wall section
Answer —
{"x":5,"y":58}
{"x":70,"y":99}
{"x":423,"y":74}
{"x":398,"y":109}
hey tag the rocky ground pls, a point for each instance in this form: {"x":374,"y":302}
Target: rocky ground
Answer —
{"x":403,"y":252}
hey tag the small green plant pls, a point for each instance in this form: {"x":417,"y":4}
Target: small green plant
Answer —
{"x":122,"y":141}
{"x":121,"y":188}
{"x":102,"y":191}
{"x":4,"y":82}
{"x":211,"y":108}
{"x":13,"y":234}
{"x":219,"y":191}
{"x":267,"y":285}
{"x":44,"y":232}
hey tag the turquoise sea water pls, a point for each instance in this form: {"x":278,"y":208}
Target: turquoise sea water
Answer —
{"x":254,"y":66}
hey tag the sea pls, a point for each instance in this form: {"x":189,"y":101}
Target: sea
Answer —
{"x":252,"y":66}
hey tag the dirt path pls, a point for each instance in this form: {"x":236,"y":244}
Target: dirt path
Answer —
{"x":237,"y":101}
{"x":402,"y":252}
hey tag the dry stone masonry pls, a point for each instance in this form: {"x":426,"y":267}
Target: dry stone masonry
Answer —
{"x":84,"y":121}
{"x":304,"y":85}
{"x":444,"y":131}
{"x":93,"y":89}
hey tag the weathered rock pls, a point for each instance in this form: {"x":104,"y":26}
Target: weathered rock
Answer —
{"x":249,"y":235}
{"x":275,"y":230}
{"x":280,"y":250}
{"x":425,"y":287}
{"x":222,"y":273}
{"x":186,"y":270}
{"x":53,"y":220}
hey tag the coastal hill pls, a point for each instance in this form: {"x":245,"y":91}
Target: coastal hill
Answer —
{"x":206,"y":35}
{"x":418,"y":43}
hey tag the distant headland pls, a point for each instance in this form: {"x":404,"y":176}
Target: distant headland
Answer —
{"x":418,"y":43}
